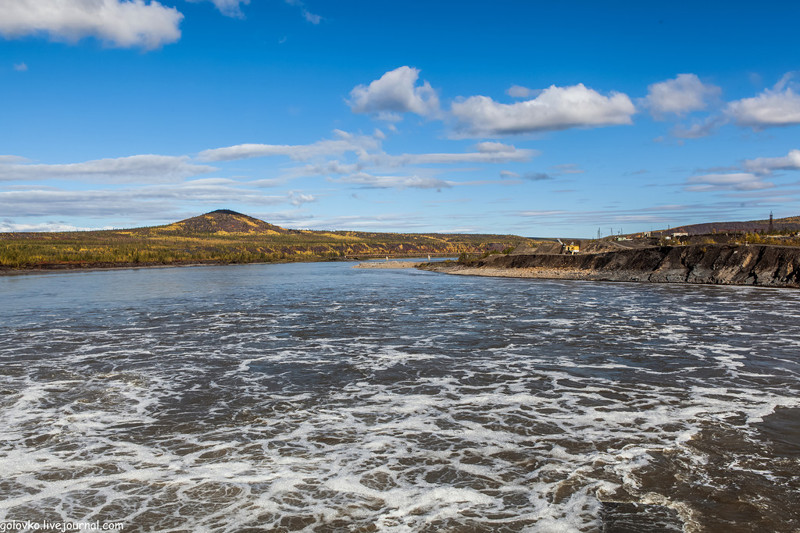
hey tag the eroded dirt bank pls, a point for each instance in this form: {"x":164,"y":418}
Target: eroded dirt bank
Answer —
{"x":761,"y":265}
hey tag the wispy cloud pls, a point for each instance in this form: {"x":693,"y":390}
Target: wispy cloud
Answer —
{"x":229,"y":8}
{"x":308,"y":15}
{"x":140,"y":201}
{"x":737,"y":181}
{"x":371,"y":181}
{"x":486,"y":152}
{"x":137,"y":168}
{"x":699,"y":129}
{"x":304,"y":152}
{"x":567,"y":168}
{"x":766,"y":165}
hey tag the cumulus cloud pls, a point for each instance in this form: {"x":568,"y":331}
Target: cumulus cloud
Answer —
{"x":393,"y":93}
{"x":121,"y":23}
{"x":300,"y":152}
{"x":138,"y":168}
{"x":771,"y":108}
{"x":765,"y":165}
{"x":394,"y":182}
{"x":555,"y":108}
{"x":684,"y":94}
{"x":739,"y":181}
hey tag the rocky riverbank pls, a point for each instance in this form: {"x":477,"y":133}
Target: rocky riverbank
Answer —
{"x":759,"y":265}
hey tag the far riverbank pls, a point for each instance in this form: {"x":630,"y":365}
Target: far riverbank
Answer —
{"x":756,"y":265}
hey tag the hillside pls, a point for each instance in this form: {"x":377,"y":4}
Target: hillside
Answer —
{"x":750,"y":226}
{"x":225,"y":236}
{"x":223,"y":221}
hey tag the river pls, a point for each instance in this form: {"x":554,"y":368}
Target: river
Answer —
{"x":318,"y":397}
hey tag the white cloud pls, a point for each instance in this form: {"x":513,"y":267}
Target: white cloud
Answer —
{"x":4,"y":159}
{"x":74,"y":203}
{"x":539,"y":214}
{"x":311,"y":17}
{"x":555,"y":108}
{"x":765,"y":165}
{"x":773,"y":107}
{"x":567,"y":168}
{"x":144,"y":201}
{"x":229,"y":8}
{"x":324,"y":169}
{"x":395,"y":92}
{"x":740,"y":181}
{"x":518,"y":91}
{"x":489,"y":147}
{"x":297,"y":198}
{"x":121,"y":23}
{"x":394,"y":182}
{"x":308,"y":15}
{"x":8,"y":226}
{"x":299,"y":152}
{"x":138,"y":168}
{"x":681,"y":95}
{"x":487,"y":152}
{"x":698,"y":130}
{"x":20,"y":67}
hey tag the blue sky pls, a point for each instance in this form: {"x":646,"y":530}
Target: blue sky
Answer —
{"x":533,"y":118}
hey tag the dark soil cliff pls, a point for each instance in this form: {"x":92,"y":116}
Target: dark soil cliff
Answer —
{"x":762,"y":265}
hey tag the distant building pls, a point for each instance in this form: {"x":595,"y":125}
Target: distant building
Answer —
{"x":679,"y":234}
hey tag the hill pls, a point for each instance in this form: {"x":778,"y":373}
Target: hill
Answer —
{"x":750,"y":226}
{"x":225,"y":236}
{"x":223,"y":221}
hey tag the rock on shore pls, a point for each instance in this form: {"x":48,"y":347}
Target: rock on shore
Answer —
{"x":760,"y":265}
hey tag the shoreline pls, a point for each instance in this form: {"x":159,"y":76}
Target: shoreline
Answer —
{"x":390,"y":264}
{"x":59,"y":269}
{"x":570,"y":275}
{"x":733,"y":265}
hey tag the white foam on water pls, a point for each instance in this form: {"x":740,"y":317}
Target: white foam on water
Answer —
{"x":517,"y":411}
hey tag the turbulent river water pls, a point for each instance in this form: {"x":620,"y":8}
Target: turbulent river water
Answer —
{"x":318,"y":397}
